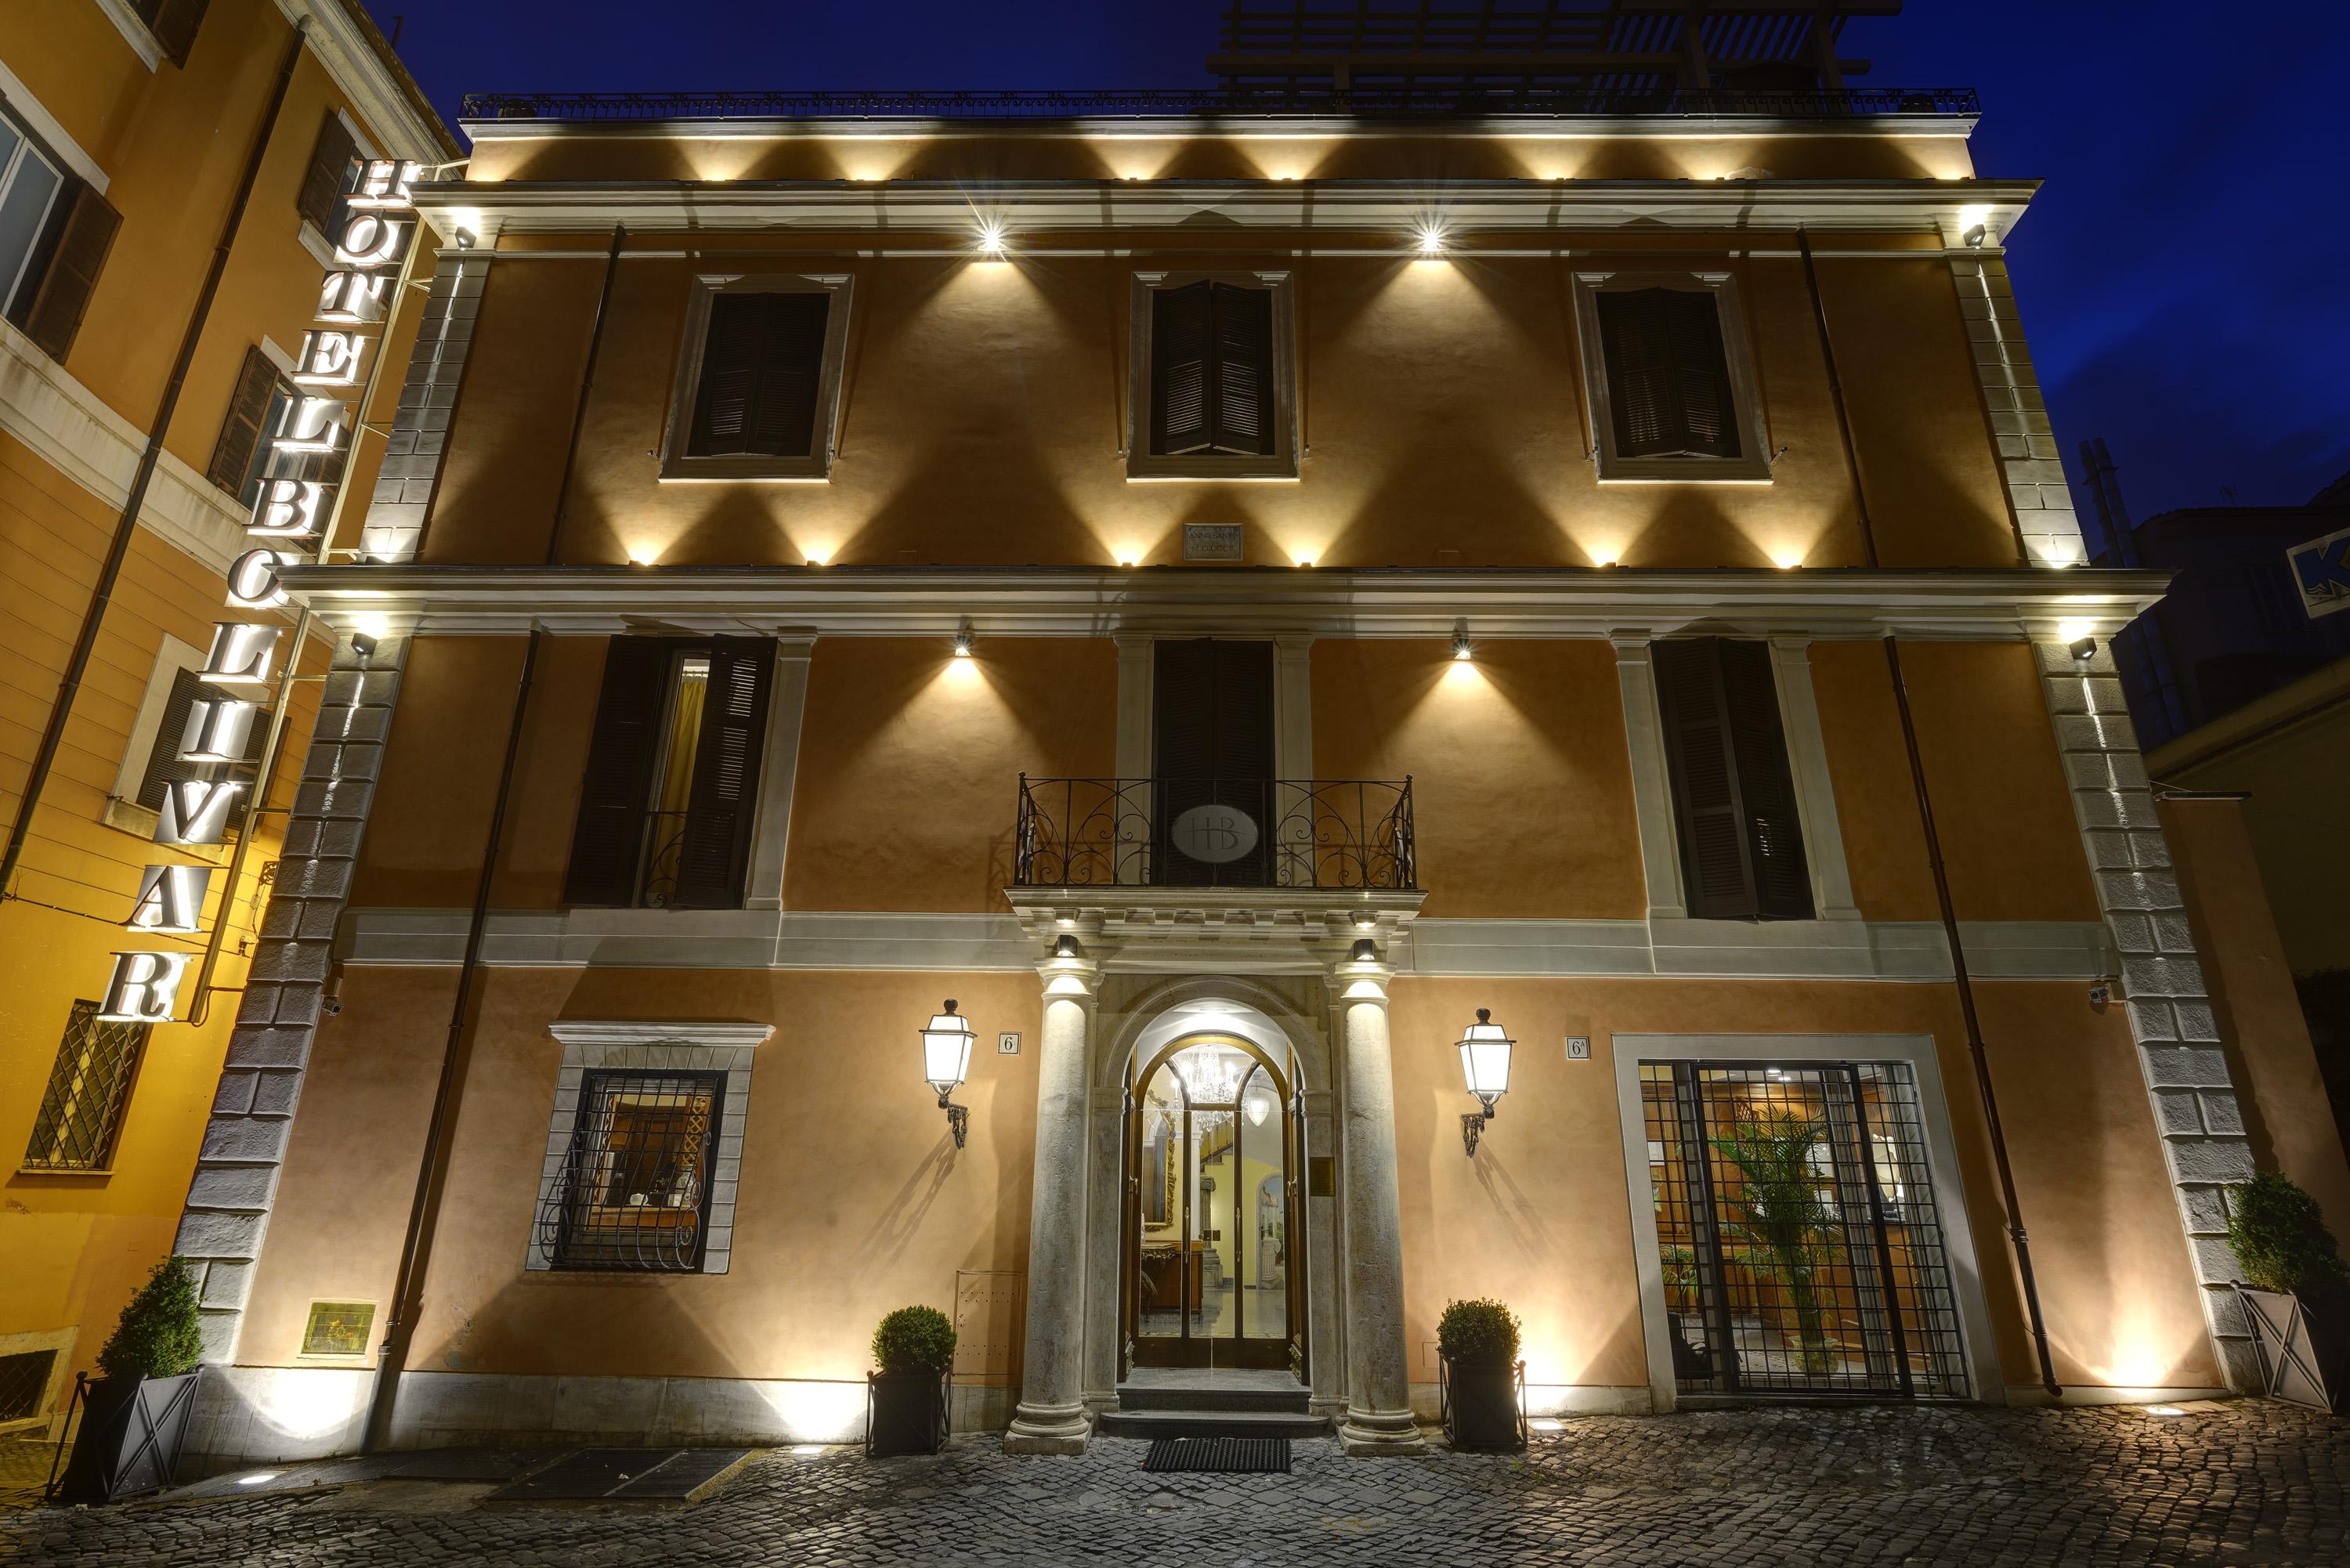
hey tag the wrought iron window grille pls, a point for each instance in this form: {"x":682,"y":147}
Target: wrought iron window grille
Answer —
{"x":82,"y":1112}
{"x":635,"y":1190}
{"x":1354,"y":834}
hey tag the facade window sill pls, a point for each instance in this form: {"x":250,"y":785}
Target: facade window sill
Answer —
{"x":321,"y":249}
{"x":128,"y":816}
{"x":45,"y":1170}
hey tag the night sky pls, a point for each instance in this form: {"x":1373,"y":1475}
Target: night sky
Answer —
{"x":2181,"y":274}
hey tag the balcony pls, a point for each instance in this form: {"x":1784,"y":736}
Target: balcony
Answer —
{"x":1309,"y":835}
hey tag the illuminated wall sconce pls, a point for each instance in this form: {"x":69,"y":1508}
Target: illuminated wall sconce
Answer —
{"x":962,"y":640}
{"x":2085,"y":649}
{"x":946,"y":1062}
{"x":1485,"y":1066}
{"x":1463,"y":651}
{"x":1431,"y":239}
{"x":362,"y":644}
{"x":991,"y":239}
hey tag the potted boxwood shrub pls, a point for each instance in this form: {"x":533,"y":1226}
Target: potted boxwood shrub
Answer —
{"x":906,"y":1399}
{"x":135,"y":1415}
{"x":2295,"y":1291}
{"x":1476,"y":1341}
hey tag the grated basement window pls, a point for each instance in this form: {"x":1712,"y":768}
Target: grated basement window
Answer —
{"x":25,"y":1383}
{"x":634,"y":1194}
{"x":89,"y":1087}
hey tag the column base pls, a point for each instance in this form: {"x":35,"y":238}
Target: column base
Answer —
{"x":1374,"y":1434}
{"x":1048,"y":1429}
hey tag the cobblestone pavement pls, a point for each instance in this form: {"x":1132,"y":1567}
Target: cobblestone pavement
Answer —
{"x":2239,"y":1483}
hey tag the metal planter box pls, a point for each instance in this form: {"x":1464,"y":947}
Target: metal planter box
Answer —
{"x":132,"y":1429}
{"x":1484,"y":1405}
{"x":2307,"y":1360}
{"x":905,"y":1412}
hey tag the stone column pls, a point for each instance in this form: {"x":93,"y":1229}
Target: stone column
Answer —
{"x":1379,"y":1417}
{"x":1051,"y":1418}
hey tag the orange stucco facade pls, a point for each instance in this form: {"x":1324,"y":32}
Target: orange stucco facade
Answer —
{"x":977,"y":588}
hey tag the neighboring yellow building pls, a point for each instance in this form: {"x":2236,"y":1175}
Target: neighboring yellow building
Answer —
{"x":127,"y":129}
{"x":1232,"y":589}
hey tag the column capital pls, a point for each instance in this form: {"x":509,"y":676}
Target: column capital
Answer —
{"x":1070,"y":976}
{"x":1361,"y":980}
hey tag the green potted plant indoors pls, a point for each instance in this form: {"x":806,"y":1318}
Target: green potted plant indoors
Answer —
{"x":1788,"y":1232}
{"x":906,"y":1399}
{"x":2295,"y":1291}
{"x":135,"y":1414}
{"x":1690,"y":1359}
{"x":1478,"y":1341}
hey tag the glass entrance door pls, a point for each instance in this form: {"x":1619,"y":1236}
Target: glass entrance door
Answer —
{"x":1211,"y":1207}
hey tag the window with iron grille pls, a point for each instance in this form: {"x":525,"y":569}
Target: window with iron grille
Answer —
{"x":1672,"y":392}
{"x":89,"y":1088}
{"x":25,"y":1383}
{"x":1802,"y":1251}
{"x":634,"y":1192}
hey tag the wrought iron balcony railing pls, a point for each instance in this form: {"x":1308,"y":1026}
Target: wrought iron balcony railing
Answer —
{"x":1353,"y":834}
{"x":1388,"y":101}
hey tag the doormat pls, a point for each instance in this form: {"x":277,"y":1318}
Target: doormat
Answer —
{"x":1220,"y":1456}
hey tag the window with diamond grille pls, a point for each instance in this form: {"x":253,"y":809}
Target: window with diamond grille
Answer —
{"x":634,"y":1189}
{"x":1796,"y":1223}
{"x":25,"y":1383}
{"x":89,"y":1089}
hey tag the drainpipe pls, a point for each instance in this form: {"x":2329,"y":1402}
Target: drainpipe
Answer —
{"x":86,"y":641}
{"x":440,"y":1140}
{"x":1975,"y":1048}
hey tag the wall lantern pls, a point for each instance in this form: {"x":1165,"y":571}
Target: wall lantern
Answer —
{"x":1485,"y":1066}
{"x":946,"y":1060}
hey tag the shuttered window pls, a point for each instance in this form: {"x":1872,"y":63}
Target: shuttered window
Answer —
{"x":241,"y":455}
{"x":173,"y":23}
{"x":670,"y":792}
{"x":55,"y":234}
{"x":1212,"y":739}
{"x":1668,"y":389}
{"x":329,"y":169}
{"x":1211,"y":371}
{"x":1734,"y":808}
{"x":163,"y":764}
{"x":761,"y":375}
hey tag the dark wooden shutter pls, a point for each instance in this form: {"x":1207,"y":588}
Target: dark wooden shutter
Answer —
{"x":1182,"y":345}
{"x":83,"y":234}
{"x":1635,"y":342}
{"x":1668,"y":373}
{"x":1766,"y":785}
{"x":1709,"y":415}
{"x":331,"y":166}
{"x":174,"y":24}
{"x":248,"y":412}
{"x":761,"y":372}
{"x":716,"y":851}
{"x":1733,"y":794}
{"x":1212,"y":738}
{"x":1244,"y":379}
{"x":616,"y":791}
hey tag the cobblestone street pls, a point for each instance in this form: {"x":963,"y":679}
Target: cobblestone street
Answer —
{"x":2239,"y":1483}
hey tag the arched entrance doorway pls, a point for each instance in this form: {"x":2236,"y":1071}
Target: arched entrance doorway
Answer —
{"x":1212,"y":1255}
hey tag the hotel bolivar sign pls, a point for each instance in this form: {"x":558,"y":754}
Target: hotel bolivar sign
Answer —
{"x":374,"y":228}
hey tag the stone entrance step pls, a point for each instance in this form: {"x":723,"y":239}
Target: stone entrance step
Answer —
{"x":1163,"y":1403}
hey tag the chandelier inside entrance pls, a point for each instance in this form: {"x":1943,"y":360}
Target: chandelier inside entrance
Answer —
{"x":1212,"y":1075}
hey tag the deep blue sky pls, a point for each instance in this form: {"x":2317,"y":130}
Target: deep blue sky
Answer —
{"x":2180,"y":276}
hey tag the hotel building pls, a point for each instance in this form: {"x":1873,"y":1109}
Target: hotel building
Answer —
{"x":1232,"y":589}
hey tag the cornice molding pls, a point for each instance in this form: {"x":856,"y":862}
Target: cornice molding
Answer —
{"x":634,"y":1032}
{"x":342,"y":47}
{"x":1842,"y":603}
{"x":1066,"y":206}
{"x":1234,"y":127}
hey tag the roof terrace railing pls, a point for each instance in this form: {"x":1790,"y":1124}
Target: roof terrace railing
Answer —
{"x":1419,"y":101}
